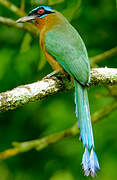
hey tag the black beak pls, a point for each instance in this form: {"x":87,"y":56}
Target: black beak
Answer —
{"x":26,"y":19}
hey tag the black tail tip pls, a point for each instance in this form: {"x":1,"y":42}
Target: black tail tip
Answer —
{"x":89,"y":172}
{"x":90,"y":163}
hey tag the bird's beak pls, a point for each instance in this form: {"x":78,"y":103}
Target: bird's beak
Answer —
{"x":26,"y":19}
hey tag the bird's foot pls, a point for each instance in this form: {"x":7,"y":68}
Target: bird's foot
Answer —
{"x":51,"y":74}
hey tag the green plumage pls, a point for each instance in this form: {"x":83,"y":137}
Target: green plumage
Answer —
{"x":60,"y":40}
{"x":66,"y":46}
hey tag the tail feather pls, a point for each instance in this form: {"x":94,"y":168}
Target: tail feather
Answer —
{"x":94,"y":165}
{"x":89,"y":161}
{"x":85,"y":162}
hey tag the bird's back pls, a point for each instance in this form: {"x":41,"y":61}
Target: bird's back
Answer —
{"x":64,"y":43}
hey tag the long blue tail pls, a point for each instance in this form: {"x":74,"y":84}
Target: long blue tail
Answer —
{"x":89,"y":161}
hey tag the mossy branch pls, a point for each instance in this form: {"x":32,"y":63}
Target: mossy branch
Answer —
{"x":36,"y":91}
{"x":39,"y":144}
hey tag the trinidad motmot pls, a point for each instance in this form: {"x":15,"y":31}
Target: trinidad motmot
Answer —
{"x":66,"y":52}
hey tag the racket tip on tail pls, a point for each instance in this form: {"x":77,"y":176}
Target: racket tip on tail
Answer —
{"x":90,"y":163}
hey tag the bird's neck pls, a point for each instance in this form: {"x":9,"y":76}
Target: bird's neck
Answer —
{"x":46,"y":23}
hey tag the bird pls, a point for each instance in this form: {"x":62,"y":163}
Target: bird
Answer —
{"x":66,"y":52}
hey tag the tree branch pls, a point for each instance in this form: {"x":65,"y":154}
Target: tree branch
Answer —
{"x":104,"y":55}
{"x":46,"y":87}
{"x":42,"y":143}
{"x":12,"y":8}
{"x":26,"y":26}
{"x":33,"y":30}
{"x":18,"y":11}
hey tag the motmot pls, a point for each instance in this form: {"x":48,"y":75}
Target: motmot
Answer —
{"x":66,"y":53}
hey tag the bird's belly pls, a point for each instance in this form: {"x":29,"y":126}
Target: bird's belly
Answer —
{"x":54,"y":64}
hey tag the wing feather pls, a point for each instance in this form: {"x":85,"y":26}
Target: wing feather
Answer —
{"x":67,"y":47}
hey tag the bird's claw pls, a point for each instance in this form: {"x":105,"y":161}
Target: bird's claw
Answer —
{"x":51,"y":74}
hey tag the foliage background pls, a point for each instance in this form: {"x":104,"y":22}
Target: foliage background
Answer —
{"x":22,"y":62}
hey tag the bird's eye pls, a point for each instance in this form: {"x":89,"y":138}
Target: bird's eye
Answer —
{"x":41,"y":11}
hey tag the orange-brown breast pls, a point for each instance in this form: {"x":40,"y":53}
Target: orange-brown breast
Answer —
{"x":44,"y":25}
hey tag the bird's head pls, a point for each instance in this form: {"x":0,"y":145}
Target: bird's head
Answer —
{"x":36,"y":13}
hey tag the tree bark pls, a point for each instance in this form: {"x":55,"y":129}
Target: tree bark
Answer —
{"x":38,"y":90}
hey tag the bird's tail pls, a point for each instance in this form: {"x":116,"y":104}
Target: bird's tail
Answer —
{"x":89,"y":161}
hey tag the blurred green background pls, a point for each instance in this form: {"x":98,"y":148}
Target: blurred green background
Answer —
{"x":22,"y":62}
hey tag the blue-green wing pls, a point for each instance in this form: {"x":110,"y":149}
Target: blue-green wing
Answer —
{"x":67,"y":47}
